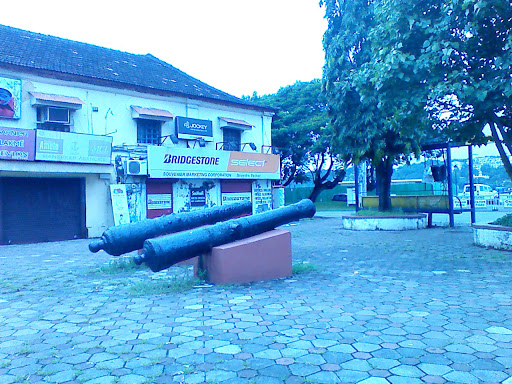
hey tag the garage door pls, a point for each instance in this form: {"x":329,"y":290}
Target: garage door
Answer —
{"x":42,"y":209}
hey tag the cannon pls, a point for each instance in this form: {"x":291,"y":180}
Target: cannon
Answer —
{"x":161,"y":253}
{"x":130,"y":237}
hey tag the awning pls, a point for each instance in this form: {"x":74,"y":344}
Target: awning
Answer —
{"x":226,"y":122}
{"x":151,"y":113}
{"x":56,"y":100}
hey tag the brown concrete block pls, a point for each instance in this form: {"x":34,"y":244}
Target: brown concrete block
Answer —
{"x":262,"y":257}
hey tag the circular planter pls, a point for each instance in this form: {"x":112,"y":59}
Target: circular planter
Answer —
{"x":384,"y":223}
{"x":493,"y":236}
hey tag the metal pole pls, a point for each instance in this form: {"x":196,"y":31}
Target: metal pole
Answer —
{"x":471,"y":184}
{"x":356,"y":179}
{"x":450,"y":185}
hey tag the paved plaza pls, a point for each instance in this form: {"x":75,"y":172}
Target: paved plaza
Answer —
{"x":407,"y":307}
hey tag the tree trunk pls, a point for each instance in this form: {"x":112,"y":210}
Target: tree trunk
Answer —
{"x":384,"y":171}
{"x":317,"y":189}
{"x":323,"y":185}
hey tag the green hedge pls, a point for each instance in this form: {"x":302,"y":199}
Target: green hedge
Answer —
{"x":292,"y":195}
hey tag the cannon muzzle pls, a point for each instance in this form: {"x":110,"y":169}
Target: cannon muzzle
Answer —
{"x":163,"y":252}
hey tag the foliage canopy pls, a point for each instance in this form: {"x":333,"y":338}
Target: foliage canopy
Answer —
{"x":302,"y":135}
{"x":399,"y":73}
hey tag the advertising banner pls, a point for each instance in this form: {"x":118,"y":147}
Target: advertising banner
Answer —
{"x":192,"y":163}
{"x":235,"y":197}
{"x":159,"y":201}
{"x":17,"y":144}
{"x":67,"y":147}
{"x":119,"y":204}
{"x":188,"y":128}
{"x":10,"y":98}
{"x":197,"y":197}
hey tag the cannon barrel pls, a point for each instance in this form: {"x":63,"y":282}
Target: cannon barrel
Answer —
{"x":163,"y":252}
{"x":130,"y":237}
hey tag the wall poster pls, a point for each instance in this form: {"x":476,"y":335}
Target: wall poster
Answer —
{"x":10,"y":98}
{"x":261,"y":196}
{"x":119,"y":204}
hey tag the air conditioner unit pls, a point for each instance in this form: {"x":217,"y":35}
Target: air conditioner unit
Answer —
{"x":136,"y":167}
{"x":55,"y":115}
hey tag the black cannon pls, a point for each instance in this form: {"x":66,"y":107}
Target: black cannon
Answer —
{"x":130,"y":237}
{"x":163,"y":252}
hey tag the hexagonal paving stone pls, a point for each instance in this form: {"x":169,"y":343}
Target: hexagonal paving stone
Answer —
{"x":407,"y":371}
{"x":374,"y":380}
{"x":229,"y":349}
{"x":461,"y":377}
{"x":365,"y":347}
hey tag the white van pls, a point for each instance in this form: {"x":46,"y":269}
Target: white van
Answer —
{"x":483,"y":193}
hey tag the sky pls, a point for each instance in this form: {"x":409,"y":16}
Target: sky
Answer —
{"x":238,"y":46}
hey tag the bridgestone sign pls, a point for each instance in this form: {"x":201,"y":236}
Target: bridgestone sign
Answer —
{"x":168,"y":162}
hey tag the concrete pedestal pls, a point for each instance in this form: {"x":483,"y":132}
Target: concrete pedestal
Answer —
{"x":262,"y":257}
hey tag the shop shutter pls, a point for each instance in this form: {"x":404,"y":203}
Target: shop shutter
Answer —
{"x":42,"y":209}
{"x":234,"y":186}
{"x":235,"y":190}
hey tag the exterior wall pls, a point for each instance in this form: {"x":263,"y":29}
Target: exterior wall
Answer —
{"x":114,"y":114}
{"x":98,"y":216}
{"x":107,"y":111}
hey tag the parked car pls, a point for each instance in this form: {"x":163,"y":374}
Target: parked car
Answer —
{"x":340,"y":197}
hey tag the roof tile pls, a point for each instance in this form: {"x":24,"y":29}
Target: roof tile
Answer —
{"x":43,"y":52}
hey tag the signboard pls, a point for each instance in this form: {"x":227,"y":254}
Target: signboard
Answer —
{"x":192,"y":163}
{"x":188,"y":128}
{"x":10,"y":98}
{"x":67,"y":147}
{"x":119,"y":204}
{"x":17,"y":144}
{"x":234,"y":197}
{"x":197,"y":197}
{"x":508,"y":202}
{"x":159,"y":201}
{"x":261,"y":196}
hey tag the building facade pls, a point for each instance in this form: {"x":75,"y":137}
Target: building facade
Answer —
{"x":91,"y":136}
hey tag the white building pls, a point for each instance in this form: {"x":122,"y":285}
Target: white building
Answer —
{"x":68,"y":110}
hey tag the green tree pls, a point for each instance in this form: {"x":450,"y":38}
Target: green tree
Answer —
{"x":461,"y":52}
{"x":400,"y":73}
{"x":301,"y":134}
{"x":367,"y":120}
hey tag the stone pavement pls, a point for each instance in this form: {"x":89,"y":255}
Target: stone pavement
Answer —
{"x":380,"y":307}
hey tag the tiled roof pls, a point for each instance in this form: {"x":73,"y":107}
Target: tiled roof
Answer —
{"x":40,"y":52}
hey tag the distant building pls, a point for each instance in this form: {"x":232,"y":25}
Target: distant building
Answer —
{"x":492,"y":161}
{"x":68,"y":110}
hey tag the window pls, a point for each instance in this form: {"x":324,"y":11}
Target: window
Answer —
{"x":149,"y":131}
{"x":53,"y":118}
{"x":232,"y":139}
